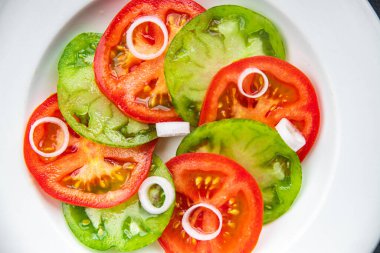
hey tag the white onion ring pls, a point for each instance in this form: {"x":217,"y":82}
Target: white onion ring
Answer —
{"x":290,"y":134}
{"x":144,"y":197}
{"x":194,"y":233}
{"x":52,"y":120}
{"x":247,"y":72}
{"x":139,"y":21}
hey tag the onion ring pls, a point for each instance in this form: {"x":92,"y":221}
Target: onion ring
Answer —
{"x":139,"y":21}
{"x":247,"y":72}
{"x":166,"y":187}
{"x":194,"y":233}
{"x":52,"y":120}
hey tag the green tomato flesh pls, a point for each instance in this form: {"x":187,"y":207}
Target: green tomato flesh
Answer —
{"x":210,"y":41}
{"x":125,"y":227}
{"x":260,"y":150}
{"x":85,"y":108}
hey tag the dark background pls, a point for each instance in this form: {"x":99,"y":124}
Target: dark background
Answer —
{"x":376,"y":5}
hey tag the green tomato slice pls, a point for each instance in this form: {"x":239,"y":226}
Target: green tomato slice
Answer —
{"x":125,"y":227}
{"x":210,"y":41}
{"x":260,"y":150}
{"x":85,"y":108}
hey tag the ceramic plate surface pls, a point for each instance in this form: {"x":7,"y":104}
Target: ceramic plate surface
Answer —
{"x":336,"y":43}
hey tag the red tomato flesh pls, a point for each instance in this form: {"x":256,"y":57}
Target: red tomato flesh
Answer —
{"x":221,"y":182}
{"x":290,"y":95}
{"x":86,"y":174}
{"x":138,"y":86}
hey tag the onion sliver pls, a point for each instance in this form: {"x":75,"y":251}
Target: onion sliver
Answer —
{"x":129,"y":39}
{"x":247,"y":72}
{"x":144,"y":194}
{"x":59,"y":123}
{"x":170,"y":129}
{"x":196,"y":234}
{"x":290,"y":134}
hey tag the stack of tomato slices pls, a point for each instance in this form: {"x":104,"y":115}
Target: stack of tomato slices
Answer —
{"x":91,"y":145}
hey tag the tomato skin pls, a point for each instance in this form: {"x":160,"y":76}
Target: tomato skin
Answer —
{"x":50,"y":173}
{"x":305,"y":109}
{"x":236,"y":183}
{"x":122,"y":91}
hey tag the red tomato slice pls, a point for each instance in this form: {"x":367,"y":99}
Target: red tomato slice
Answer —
{"x":86,"y":174}
{"x":137,"y":86}
{"x":290,"y":95}
{"x":221,"y":182}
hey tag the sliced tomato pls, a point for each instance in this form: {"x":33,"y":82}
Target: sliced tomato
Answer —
{"x":86,"y":174}
{"x":290,"y":95}
{"x":221,"y":182}
{"x":138,"y":86}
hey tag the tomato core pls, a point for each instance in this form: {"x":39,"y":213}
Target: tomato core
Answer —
{"x":101,"y":174}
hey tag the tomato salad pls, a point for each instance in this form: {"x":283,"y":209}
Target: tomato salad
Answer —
{"x":167,"y":68}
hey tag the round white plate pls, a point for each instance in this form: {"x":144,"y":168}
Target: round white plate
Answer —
{"x":336,"y":43}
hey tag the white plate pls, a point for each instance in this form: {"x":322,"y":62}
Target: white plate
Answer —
{"x":337,"y":43}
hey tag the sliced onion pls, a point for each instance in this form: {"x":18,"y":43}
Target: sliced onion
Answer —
{"x":144,"y":194}
{"x":52,"y":120}
{"x":247,"y":72}
{"x":129,"y":39}
{"x":290,"y":134}
{"x":196,"y":234}
{"x":170,"y":129}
